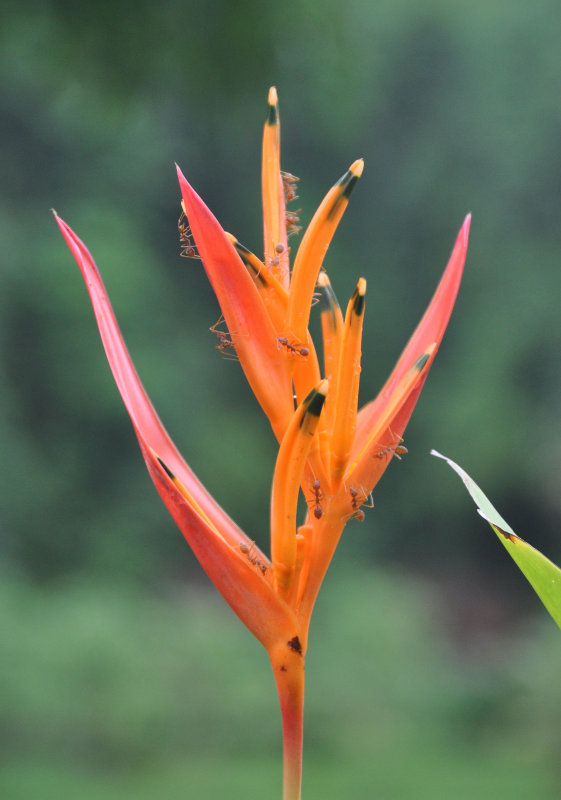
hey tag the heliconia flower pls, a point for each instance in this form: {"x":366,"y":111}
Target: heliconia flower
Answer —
{"x":328,"y":449}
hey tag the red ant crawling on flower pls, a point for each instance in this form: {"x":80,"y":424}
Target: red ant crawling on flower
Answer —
{"x":249,"y":552}
{"x":289,"y":182}
{"x":188,"y":249}
{"x":316,"y":489}
{"x":292,"y":220}
{"x":397,"y":448}
{"x":356,"y":504}
{"x":279,"y":250}
{"x":225,"y":343}
{"x":294,"y":348}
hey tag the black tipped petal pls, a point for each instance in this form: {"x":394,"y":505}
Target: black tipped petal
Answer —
{"x":358,"y":304}
{"x":272,"y":117}
{"x":166,"y":469}
{"x":316,"y":404}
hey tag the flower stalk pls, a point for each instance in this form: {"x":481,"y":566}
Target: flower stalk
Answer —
{"x":330,"y":452}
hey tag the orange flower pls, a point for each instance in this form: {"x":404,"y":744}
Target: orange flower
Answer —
{"x":329,"y":450}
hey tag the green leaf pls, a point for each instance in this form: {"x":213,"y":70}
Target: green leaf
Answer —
{"x":543,"y":574}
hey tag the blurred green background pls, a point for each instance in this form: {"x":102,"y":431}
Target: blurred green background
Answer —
{"x":433,"y":671}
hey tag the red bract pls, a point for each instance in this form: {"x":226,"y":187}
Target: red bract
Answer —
{"x":328,"y":449}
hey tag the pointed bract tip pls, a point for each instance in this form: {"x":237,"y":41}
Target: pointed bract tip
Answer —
{"x":323,"y":280}
{"x":348,"y":181}
{"x":186,"y":188}
{"x":316,"y":399}
{"x":65,"y":229}
{"x":272,"y":98}
{"x":357,"y":167}
{"x":464,"y":230}
{"x":358,"y":297}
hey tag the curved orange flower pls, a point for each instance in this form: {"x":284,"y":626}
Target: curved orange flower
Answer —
{"x":328,"y":449}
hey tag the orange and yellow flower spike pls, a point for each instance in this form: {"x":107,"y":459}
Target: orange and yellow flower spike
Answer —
{"x":313,"y":248}
{"x":333,"y":454}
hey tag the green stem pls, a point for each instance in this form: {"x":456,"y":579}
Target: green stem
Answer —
{"x":288,"y":668}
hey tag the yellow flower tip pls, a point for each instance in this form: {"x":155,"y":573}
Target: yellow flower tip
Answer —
{"x":323,"y":280}
{"x":55,"y":215}
{"x":356,"y":303}
{"x":347,"y":182}
{"x":357,"y":167}
{"x":241,"y":249}
{"x":273,"y":102}
{"x":358,"y":297}
{"x":315,"y":400}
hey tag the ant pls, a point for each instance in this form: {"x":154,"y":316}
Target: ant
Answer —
{"x":398,"y":450}
{"x":358,"y":513}
{"x":279,"y":249}
{"x":292,"y":223}
{"x":289,"y":182}
{"x":224,"y":340}
{"x":188,"y":249}
{"x":318,"y":511}
{"x":295,"y":349}
{"x":249,"y":551}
